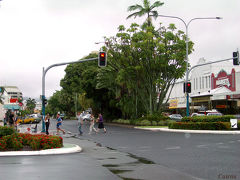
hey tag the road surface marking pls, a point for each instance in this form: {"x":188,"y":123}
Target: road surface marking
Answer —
{"x":202,"y":146}
{"x":173,"y":148}
{"x":231,"y":142}
{"x":145,"y":147}
{"x":219,"y":143}
{"x":223,"y":147}
{"x":143,"y":150}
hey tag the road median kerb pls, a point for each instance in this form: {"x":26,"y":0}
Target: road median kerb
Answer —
{"x":66,"y":149}
{"x":190,"y":131}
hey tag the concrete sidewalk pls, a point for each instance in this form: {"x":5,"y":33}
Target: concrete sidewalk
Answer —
{"x":190,"y":131}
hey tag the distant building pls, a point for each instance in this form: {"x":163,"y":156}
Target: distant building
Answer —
{"x":214,"y":86}
{"x":10,"y":96}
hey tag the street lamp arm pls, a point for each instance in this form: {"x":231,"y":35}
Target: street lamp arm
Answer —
{"x":202,"y":18}
{"x":175,"y":18}
{"x":61,"y":64}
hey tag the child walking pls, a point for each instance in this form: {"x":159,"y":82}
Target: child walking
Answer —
{"x":59,"y":123}
{"x":92,"y":121}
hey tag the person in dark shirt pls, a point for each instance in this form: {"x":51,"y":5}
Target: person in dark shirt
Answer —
{"x":11,"y":119}
{"x":100,"y":123}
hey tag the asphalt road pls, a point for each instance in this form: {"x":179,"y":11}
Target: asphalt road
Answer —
{"x":204,"y":156}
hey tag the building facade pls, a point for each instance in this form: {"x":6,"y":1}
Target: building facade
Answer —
{"x":10,"y":97}
{"x":214,"y":86}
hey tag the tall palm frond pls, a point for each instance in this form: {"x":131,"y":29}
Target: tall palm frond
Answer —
{"x":147,"y":9}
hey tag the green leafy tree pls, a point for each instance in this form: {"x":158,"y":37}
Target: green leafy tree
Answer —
{"x":31,"y":104}
{"x":81,"y":79}
{"x":1,"y":94}
{"x":141,"y":63}
{"x":146,"y":9}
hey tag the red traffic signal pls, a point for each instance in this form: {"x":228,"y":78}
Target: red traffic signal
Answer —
{"x":187,"y":87}
{"x":102,"y":59}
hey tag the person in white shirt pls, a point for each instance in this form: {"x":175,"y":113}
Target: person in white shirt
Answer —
{"x":80,"y":122}
{"x":92,"y":121}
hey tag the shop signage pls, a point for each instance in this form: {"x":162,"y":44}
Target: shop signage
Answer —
{"x":173,"y":104}
{"x":13,"y":100}
{"x":224,"y":79}
{"x":221,"y":106}
{"x":200,"y":99}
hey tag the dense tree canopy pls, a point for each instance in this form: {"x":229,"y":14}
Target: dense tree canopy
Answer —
{"x":142,"y":64}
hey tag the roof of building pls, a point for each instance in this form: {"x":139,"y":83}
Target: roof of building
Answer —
{"x":217,"y":91}
{"x":11,"y":89}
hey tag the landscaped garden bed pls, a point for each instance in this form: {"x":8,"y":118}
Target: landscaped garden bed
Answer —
{"x":10,"y":140}
{"x":204,"y":123}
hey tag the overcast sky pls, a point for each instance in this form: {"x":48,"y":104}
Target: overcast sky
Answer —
{"x":38,"y":33}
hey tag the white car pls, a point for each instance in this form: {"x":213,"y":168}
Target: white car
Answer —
{"x":197,"y":114}
{"x":176,"y":117}
{"x":214,"y":114}
{"x":34,"y":115}
{"x":86,"y":117}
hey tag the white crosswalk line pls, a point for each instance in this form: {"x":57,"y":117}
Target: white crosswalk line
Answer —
{"x":173,"y":148}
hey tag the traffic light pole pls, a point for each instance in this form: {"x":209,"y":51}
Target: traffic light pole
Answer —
{"x":43,"y":84}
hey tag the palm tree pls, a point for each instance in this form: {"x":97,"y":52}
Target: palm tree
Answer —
{"x":147,"y":8}
{"x":1,"y":94}
{"x":31,"y":104}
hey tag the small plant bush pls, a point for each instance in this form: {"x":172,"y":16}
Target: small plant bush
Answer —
{"x":36,"y":142}
{"x":225,"y":118}
{"x":4,"y":131}
{"x":201,"y":125}
{"x":149,"y":120}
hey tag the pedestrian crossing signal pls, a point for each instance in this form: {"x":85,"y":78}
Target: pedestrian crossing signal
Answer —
{"x":102,"y":59}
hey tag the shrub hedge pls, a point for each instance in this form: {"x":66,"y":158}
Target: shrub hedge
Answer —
{"x":202,"y":125}
{"x":225,"y":118}
{"x":17,"y":141}
{"x":143,"y":122}
{"x":4,"y":131}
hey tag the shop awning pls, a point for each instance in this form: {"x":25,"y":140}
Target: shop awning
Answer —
{"x":11,"y":106}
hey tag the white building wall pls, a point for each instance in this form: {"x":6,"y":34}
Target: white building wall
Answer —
{"x":200,"y":78}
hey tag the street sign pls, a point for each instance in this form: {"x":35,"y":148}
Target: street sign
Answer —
{"x":234,"y":123}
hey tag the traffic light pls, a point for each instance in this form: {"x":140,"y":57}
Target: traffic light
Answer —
{"x":102,"y":59}
{"x":236,"y":58}
{"x":188,"y":87}
{"x":45,"y":101}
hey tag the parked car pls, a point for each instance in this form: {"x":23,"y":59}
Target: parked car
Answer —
{"x":62,"y":116}
{"x":197,"y":114}
{"x":25,"y":120}
{"x":86,"y":117}
{"x":214,"y":114}
{"x":176,"y":117}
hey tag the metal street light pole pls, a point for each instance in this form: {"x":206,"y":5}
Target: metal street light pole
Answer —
{"x":43,"y":83}
{"x":187,"y":72}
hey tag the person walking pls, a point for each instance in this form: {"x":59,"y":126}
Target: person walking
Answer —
{"x":11,"y":119}
{"x":80,"y":122}
{"x":59,"y":123}
{"x":100,"y":123}
{"x":47,"y":123}
{"x":92,"y":121}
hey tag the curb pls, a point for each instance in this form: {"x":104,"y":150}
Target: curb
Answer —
{"x":68,"y":148}
{"x":189,"y":131}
